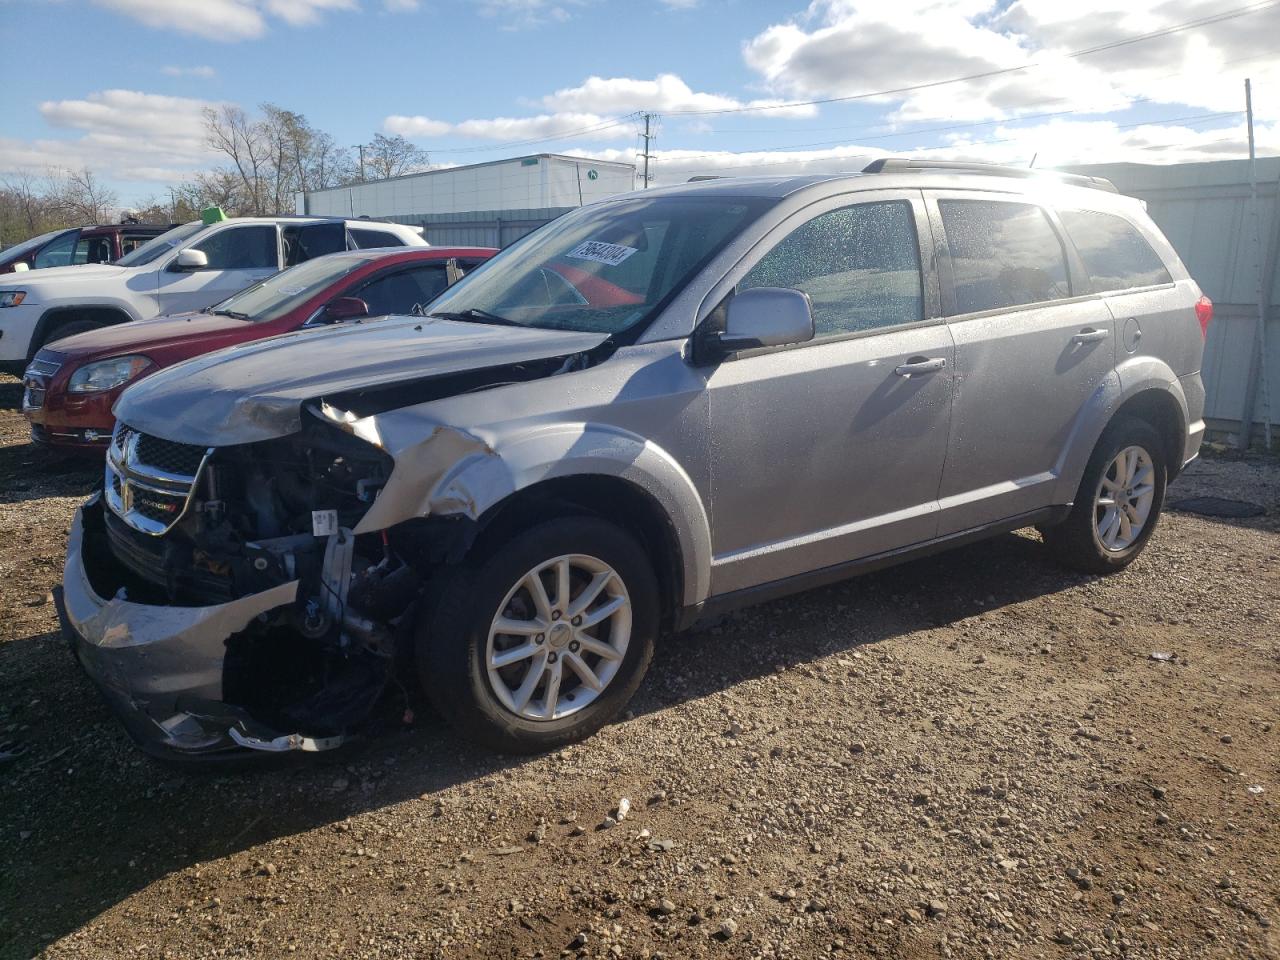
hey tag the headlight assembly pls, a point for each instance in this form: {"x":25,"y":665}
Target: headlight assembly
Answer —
{"x":11,"y":298}
{"x":103,"y":375}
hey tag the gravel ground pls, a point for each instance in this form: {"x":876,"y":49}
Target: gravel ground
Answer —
{"x":973,"y":755}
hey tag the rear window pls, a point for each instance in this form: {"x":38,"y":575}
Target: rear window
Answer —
{"x":1116,"y":255}
{"x":1003,"y":254}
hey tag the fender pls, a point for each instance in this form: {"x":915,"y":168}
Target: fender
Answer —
{"x":455,"y":472}
{"x":1133,"y":376}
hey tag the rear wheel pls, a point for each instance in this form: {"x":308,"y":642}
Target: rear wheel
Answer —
{"x":543,"y":641}
{"x":1118,"y":503}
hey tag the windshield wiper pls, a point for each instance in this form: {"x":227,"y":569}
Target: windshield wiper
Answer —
{"x":475,"y":315}
{"x":236,"y":314}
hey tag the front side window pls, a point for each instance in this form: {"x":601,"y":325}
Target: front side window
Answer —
{"x":1116,"y":255}
{"x":1003,"y":254}
{"x":158,"y":247}
{"x":241,"y":248}
{"x":60,"y":253}
{"x":401,"y":292}
{"x":860,"y":266}
{"x":605,"y":268}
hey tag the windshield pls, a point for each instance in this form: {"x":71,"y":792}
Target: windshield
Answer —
{"x":601,"y":269}
{"x":20,"y":250}
{"x":161,"y":245}
{"x":278,"y":294}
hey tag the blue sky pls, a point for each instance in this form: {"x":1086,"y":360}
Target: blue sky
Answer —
{"x":123,"y":94}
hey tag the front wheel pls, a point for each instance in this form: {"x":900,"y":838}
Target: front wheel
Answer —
{"x":543,"y":641}
{"x":1118,"y":503}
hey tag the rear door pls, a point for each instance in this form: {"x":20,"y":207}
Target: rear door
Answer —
{"x":310,"y":240}
{"x":1032,"y":345}
{"x":239,"y":255}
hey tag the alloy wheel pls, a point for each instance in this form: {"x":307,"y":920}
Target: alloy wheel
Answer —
{"x":558,"y":638}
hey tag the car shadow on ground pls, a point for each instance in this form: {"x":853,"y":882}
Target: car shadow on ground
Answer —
{"x":86,"y":821}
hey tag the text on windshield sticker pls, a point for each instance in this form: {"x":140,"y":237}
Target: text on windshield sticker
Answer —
{"x":601,"y":252}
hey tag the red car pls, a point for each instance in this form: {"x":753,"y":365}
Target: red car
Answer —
{"x":105,"y":243}
{"x":72,"y":384}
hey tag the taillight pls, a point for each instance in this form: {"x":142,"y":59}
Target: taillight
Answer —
{"x":1204,"y":313}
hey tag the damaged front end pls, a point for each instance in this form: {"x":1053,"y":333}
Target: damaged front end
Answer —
{"x":220,"y":599}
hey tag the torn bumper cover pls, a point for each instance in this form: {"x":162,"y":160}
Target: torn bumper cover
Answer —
{"x":161,"y":667}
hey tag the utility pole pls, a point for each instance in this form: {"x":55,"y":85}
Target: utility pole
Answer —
{"x":361,"y":149}
{"x":648,"y":136}
{"x":1257,"y":373}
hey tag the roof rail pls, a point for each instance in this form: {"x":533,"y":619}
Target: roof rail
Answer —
{"x":897,"y":165}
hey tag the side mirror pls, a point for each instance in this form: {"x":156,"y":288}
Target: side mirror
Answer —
{"x":344,"y":308}
{"x":767,"y":317}
{"x":191,"y":260}
{"x":21,"y":267}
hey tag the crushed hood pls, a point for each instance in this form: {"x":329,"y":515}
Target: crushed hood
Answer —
{"x":255,"y":391}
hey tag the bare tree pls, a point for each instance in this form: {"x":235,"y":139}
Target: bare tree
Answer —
{"x":245,"y":143}
{"x":25,"y":209}
{"x":390,"y":157}
{"x":79,"y":197}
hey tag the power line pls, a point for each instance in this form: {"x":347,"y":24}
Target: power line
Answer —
{"x":985,"y":75}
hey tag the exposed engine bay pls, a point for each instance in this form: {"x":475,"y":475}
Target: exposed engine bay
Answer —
{"x":191,"y":527}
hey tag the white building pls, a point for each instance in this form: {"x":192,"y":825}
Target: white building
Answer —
{"x":488,"y":204}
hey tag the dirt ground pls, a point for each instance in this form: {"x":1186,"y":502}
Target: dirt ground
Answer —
{"x":973,"y":755}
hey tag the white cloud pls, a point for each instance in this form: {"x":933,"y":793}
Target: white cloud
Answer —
{"x":520,"y":14}
{"x":418,"y":126}
{"x":120,"y":135}
{"x":1055,"y":143}
{"x":587,"y":126}
{"x":227,"y":20}
{"x":665,"y":93}
{"x":203,"y":72}
{"x":847,"y":48}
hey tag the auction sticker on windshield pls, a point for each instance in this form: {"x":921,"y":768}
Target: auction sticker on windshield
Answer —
{"x":611,"y":254}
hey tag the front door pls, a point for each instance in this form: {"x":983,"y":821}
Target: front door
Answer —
{"x":239,"y":255}
{"x":1031,"y":349}
{"x":833,"y":450}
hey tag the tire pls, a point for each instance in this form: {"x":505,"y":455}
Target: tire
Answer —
{"x":69,"y":329}
{"x":454,"y":642}
{"x":1081,"y":541}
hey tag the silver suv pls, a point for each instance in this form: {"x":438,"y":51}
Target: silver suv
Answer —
{"x":650,"y":411}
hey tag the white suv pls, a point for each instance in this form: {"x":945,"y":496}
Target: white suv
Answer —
{"x":188,"y":268}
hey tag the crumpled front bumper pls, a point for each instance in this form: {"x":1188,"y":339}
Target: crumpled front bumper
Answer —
{"x":161,"y":667}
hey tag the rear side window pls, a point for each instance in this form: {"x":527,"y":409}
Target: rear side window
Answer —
{"x":1116,"y":255}
{"x":1002,"y":254}
{"x":375,"y":238}
{"x":860,"y":266}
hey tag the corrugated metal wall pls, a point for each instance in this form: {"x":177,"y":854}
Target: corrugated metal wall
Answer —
{"x":522,"y":183}
{"x":498,"y":228}
{"x":1206,"y":212}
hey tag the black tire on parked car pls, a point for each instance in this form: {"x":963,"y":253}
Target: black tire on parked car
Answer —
{"x":1098,"y":535}
{"x":475,"y":673}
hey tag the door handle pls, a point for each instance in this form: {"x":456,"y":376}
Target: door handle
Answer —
{"x":1090,"y":335}
{"x":920,"y":365}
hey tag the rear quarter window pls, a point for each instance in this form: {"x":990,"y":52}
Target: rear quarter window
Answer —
{"x":1116,"y":255}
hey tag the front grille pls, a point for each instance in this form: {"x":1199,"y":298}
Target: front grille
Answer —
{"x":149,"y":481}
{"x":33,"y":394}
{"x":176,"y":458}
{"x":43,"y":368}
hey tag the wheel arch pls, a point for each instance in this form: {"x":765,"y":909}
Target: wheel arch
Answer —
{"x":611,"y":498}
{"x":105,"y":313}
{"x":594,"y":468}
